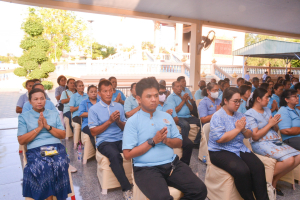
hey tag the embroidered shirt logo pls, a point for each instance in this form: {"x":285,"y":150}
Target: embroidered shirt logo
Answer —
{"x":166,"y":121}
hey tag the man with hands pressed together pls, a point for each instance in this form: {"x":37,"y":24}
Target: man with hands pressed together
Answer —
{"x":149,"y":138}
{"x":106,"y":120}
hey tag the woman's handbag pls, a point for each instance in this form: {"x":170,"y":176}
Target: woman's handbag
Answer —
{"x":60,"y":106}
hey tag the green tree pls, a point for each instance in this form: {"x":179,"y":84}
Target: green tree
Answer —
{"x":34,"y":62}
{"x":251,"y":38}
{"x":148,"y":45}
{"x":64,"y":30}
{"x":103,"y":51}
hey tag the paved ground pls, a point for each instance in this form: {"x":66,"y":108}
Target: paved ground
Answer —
{"x":86,"y":184}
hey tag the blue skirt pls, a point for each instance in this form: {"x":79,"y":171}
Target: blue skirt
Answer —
{"x":274,"y":149}
{"x":46,"y":176}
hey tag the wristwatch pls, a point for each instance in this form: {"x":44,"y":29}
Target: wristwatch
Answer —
{"x":50,"y":128}
{"x":151,"y":142}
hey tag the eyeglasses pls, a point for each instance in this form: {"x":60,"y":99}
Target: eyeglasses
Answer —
{"x":161,"y":93}
{"x":294,"y":96}
{"x":237,"y":102}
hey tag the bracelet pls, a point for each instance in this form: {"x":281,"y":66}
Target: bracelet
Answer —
{"x":50,"y":128}
{"x":35,"y":131}
{"x":244,"y":131}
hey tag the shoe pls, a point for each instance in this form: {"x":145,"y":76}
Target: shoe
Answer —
{"x":72,"y":169}
{"x":279,"y":192}
{"x":127,"y":195}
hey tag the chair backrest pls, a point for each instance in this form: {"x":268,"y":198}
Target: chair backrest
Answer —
{"x":197,"y":102}
{"x":206,"y":130}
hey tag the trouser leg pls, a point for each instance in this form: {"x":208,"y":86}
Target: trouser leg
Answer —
{"x":194,"y":120}
{"x":87,"y":131}
{"x":187,"y":149}
{"x":195,"y":110}
{"x":68,"y":115}
{"x":237,"y":168}
{"x":112,"y":151}
{"x":184,"y":125}
{"x":293,"y":142}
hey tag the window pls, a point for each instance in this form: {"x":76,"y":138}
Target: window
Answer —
{"x":223,"y":47}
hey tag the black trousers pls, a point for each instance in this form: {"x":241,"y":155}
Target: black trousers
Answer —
{"x":87,"y":131}
{"x":248,"y":172}
{"x":68,"y":115}
{"x":112,"y":151}
{"x":293,"y":142}
{"x":195,"y":110}
{"x":187,"y":150}
{"x":184,"y":124}
{"x":77,"y":120}
{"x":154,"y":182}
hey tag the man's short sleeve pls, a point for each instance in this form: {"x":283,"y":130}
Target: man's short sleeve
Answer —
{"x":168,"y":106}
{"x":122,"y":114}
{"x":72,"y":101}
{"x":63,"y":95}
{"x":57,"y":92}
{"x":174,"y":130}
{"x":286,"y":121}
{"x":130,"y":134}
{"x":93,"y":118}
{"x":26,"y":107}
{"x":58,"y":122}
{"x":123,"y":96}
{"x":202,"y":108}
{"x":190,"y":94}
{"x":20,"y":102}
{"x":127,"y":105}
{"x":22,"y":126}
{"x":82,"y":107}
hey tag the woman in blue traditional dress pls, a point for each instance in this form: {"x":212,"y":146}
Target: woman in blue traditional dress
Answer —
{"x":265,"y":139}
{"x":44,"y":176}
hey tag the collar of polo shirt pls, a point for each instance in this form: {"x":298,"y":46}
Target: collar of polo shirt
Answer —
{"x":147,"y":114}
{"x":105,"y":105}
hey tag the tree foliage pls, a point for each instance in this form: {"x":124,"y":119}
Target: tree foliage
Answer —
{"x":251,"y":38}
{"x":148,"y":45}
{"x":103,"y":51}
{"x":34,"y":61}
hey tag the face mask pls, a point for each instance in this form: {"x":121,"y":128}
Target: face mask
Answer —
{"x":214,"y":95}
{"x":162,"y":98}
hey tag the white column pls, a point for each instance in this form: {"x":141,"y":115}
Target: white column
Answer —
{"x":195,"y":61}
{"x":156,"y":36}
{"x":179,"y":35}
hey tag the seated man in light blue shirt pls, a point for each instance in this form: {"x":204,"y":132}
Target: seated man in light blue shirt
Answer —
{"x":131,"y":105}
{"x":224,"y":85}
{"x":185,"y":90}
{"x":24,"y":97}
{"x":187,"y":144}
{"x":297,"y":88}
{"x":245,"y":92}
{"x":149,"y":138}
{"x":198,"y":94}
{"x":49,"y":105}
{"x":239,"y":82}
{"x":255,"y":83}
{"x":106,"y":120}
{"x":183,"y":109}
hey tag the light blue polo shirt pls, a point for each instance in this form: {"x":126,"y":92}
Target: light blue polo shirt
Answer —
{"x":290,"y":118}
{"x":49,"y":105}
{"x":84,"y":106}
{"x":130,"y":104}
{"x":299,"y":101}
{"x":22,"y":100}
{"x":141,"y":127}
{"x":198,"y":94}
{"x":207,"y":107}
{"x":187,"y":90}
{"x":116,"y":94}
{"x":166,"y":107}
{"x":75,"y":100}
{"x":220,"y":93}
{"x":242,"y":108}
{"x":176,"y":100}
{"x":29,"y":120}
{"x":64,"y":96}
{"x":99,"y":114}
{"x":277,"y":99}
{"x":253,"y":88}
{"x":220,"y":96}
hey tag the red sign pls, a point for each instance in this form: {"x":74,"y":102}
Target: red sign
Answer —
{"x":223,"y":47}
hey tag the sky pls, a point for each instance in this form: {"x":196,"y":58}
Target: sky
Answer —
{"x":107,"y":30}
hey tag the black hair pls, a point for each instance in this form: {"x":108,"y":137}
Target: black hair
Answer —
{"x":36,"y":79}
{"x":132,"y":85}
{"x":162,"y":87}
{"x":264,"y":86}
{"x":59,"y":78}
{"x":227,"y":80}
{"x":248,"y":83}
{"x":244,"y":88}
{"x":277,"y":85}
{"x":70,"y":79}
{"x":286,"y":95}
{"x":266,"y":72}
{"x":36,"y":84}
{"x":180,"y":78}
{"x":90,"y":87}
{"x":297,"y":86}
{"x":279,"y":78}
{"x":259,"y":92}
{"x":29,"y":81}
{"x":104,"y":82}
{"x":220,"y":82}
{"x":285,"y":82}
{"x":228,"y":93}
{"x":146,"y":83}
{"x":208,"y":87}
{"x":268,"y":77}
{"x":35,"y":90}
{"x":254,"y":79}
{"x":240,"y":79}
{"x":174,"y":83}
{"x":112,"y":77}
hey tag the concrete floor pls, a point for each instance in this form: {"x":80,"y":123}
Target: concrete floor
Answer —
{"x":85,"y":181}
